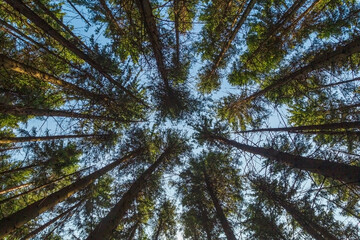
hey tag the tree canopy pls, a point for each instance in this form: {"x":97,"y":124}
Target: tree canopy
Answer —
{"x":179,"y":119}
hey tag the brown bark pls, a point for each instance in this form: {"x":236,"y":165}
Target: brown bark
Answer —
{"x":29,"y":111}
{"x":19,"y":6}
{"x":7,"y":140}
{"x":8,"y":149}
{"x":78,"y":12}
{"x":40,"y":187}
{"x":104,"y":229}
{"x":326,"y":126}
{"x":19,"y":169}
{"x":19,"y":218}
{"x":153,"y":33}
{"x":19,"y":67}
{"x":60,"y":23}
{"x":219,"y":211}
{"x":321,"y":60}
{"x":310,"y":226}
{"x":338,"y":171}
{"x":39,"y":229}
{"x":133,"y":230}
{"x":15,"y":188}
{"x":232,"y":36}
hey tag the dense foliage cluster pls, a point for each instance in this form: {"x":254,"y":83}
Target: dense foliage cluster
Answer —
{"x":180,"y":119}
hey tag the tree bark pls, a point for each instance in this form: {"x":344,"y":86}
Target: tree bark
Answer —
{"x":153,"y":33}
{"x":29,"y":111}
{"x":19,"y":67}
{"x":60,"y":23}
{"x":39,"y":187}
{"x":7,"y":140}
{"x":19,"y":218}
{"x":15,"y":188}
{"x":232,"y":36}
{"x":310,"y":226}
{"x":104,"y":229}
{"x":321,"y":60}
{"x":326,"y":126}
{"x":219,"y":211}
{"x":39,"y":229}
{"x":338,"y":171}
{"x":19,"y":6}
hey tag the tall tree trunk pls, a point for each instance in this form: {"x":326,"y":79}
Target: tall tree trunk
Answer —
{"x":19,"y":6}
{"x":78,"y":12}
{"x":29,"y":111}
{"x":40,"y":187}
{"x":15,"y":188}
{"x":19,"y":218}
{"x":19,"y":67}
{"x":104,"y":229}
{"x":326,"y":126}
{"x":339,"y":171}
{"x":205,"y":220}
{"x":60,"y":23}
{"x":310,"y":226}
{"x":154,"y":37}
{"x":20,"y":169}
{"x":39,"y":229}
{"x":232,"y":36}
{"x":8,"y":149}
{"x":321,"y":60}
{"x":12,"y":30}
{"x":158,"y":231}
{"x":133,"y":230}
{"x":219,"y":211}
{"x":7,"y":140}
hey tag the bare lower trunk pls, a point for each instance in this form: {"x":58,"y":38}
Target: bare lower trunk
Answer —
{"x":19,"y":218}
{"x":219,"y":211}
{"x":339,"y":171}
{"x":154,"y":36}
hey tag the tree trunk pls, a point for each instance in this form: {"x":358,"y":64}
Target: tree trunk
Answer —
{"x":158,"y":231}
{"x":78,"y":12}
{"x":19,"y":67}
{"x":310,"y":226}
{"x":19,"y":218}
{"x":133,"y":230}
{"x":219,"y":211}
{"x":7,"y":140}
{"x":40,"y":187}
{"x":321,"y":60}
{"x":60,"y":23}
{"x":153,"y":33}
{"x":39,"y":229}
{"x":104,"y":229}
{"x":232,"y":36}
{"x":19,"y":6}
{"x":19,"y":169}
{"x":338,"y":171}
{"x":29,"y":111}
{"x":15,"y":188}
{"x":8,"y":149}
{"x":326,"y":126}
